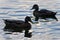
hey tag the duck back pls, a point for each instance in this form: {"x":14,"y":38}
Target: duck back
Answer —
{"x":14,"y":21}
{"x":47,"y":12}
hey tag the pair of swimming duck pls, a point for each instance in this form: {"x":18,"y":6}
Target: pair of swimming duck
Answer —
{"x":19,"y":25}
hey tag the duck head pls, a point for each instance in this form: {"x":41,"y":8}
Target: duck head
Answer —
{"x":35,"y":6}
{"x":28,"y":19}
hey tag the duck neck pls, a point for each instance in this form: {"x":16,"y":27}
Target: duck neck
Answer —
{"x":36,"y":9}
{"x":26,"y":21}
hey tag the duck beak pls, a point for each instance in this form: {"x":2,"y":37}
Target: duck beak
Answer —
{"x":31,"y":21}
{"x":31,"y":8}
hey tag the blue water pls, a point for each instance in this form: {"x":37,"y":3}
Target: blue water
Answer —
{"x":18,"y":9}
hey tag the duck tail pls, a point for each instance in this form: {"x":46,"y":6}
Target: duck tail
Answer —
{"x":5,"y":20}
{"x":55,"y":13}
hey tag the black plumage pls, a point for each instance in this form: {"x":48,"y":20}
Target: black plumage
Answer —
{"x":43,"y":13}
{"x":18,"y":25}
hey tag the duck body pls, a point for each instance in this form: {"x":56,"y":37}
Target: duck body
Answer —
{"x":18,"y":25}
{"x":43,"y":13}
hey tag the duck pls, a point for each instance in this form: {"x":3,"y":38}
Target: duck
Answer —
{"x":18,"y":25}
{"x":43,"y":13}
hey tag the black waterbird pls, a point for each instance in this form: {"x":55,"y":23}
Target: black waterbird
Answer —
{"x":18,"y":26}
{"x":43,"y":13}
